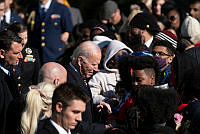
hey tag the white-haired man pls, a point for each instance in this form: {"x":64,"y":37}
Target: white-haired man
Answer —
{"x":84,"y":64}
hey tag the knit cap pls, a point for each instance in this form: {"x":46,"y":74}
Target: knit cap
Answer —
{"x":191,"y":29}
{"x":168,"y":36}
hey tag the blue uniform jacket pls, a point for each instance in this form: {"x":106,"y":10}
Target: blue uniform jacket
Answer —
{"x":45,"y":33}
{"x":15,"y":18}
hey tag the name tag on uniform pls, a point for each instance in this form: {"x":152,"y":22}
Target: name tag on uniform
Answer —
{"x":55,"y":16}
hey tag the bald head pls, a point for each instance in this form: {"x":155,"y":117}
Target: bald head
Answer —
{"x":53,"y":72}
{"x":86,"y":58}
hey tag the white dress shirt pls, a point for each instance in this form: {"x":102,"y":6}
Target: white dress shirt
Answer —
{"x":8,"y":16}
{"x":148,"y":43}
{"x":4,"y":69}
{"x":46,"y":6}
{"x":59,"y":128}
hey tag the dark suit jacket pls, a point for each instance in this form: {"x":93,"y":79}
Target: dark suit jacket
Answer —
{"x":5,"y":99}
{"x":9,"y":95}
{"x":87,"y":125}
{"x":45,"y":127}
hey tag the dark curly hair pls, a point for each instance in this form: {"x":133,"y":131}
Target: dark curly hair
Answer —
{"x":152,"y":106}
{"x":146,"y":63}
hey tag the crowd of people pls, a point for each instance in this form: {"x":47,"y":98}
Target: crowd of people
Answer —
{"x":113,"y":74}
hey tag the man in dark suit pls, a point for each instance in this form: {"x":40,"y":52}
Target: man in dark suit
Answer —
{"x":84,"y":64}
{"x":10,"y":53}
{"x":68,"y":102}
{"x":49,"y":25}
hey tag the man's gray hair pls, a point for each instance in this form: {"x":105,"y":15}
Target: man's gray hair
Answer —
{"x":85,"y":49}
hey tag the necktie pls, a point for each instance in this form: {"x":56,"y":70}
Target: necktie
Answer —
{"x":42,"y":13}
{"x":4,"y":19}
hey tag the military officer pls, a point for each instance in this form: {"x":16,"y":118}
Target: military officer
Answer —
{"x":9,"y":15}
{"x":10,"y":53}
{"x":27,"y":70}
{"x":49,"y":25}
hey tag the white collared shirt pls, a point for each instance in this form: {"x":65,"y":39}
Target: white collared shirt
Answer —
{"x":8,"y":16}
{"x":148,"y":43}
{"x":4,"y":69}
{"x":59,"y":128}
{"x":46,"y":6}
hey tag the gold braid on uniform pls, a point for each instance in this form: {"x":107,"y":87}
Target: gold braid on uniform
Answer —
{"x":31,"y":20}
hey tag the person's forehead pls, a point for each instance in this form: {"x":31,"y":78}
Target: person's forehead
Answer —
{"x":160,"y":48}
{"x":140,"y":73}
{"x":15,"y":45}
{"x":94,"y":59}
{"x":173,"y":12}
{"x":23,"y":33}
{"x":160,"y":1}
{"x":2,"y":3}
{"x":197,"y":4}
{"x":2,"y":6}
{"x":76,"y":103}
{"x":7,"y":1}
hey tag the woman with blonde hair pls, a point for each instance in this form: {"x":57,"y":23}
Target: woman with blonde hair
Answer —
{"x":38,"y":106}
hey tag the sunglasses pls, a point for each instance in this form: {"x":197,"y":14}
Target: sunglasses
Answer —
{"x":159,"y":53}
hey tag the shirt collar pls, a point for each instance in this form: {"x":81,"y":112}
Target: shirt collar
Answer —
{"x":46,"y":6}
{"x":148,"y":43}
{"x":59,"y":128}
{"x":8,"y":14}
{"x":4,"y":69}
{"x":73,"y":67}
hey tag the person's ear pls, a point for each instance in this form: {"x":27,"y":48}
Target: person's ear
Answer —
{"x":153,"y":79}
{"x":80,"y":61}
{"x":56,"y":82}
{"x":170,"y":59}
{"x":2,"y":53}
{"x":118,"y":11}
{"x":59,"y":107}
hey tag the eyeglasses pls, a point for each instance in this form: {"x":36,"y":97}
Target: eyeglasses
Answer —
{"x":159,"y":53}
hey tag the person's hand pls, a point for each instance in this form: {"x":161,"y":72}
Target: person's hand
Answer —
{"x":104,"y":105}
{"x":108,"y":126}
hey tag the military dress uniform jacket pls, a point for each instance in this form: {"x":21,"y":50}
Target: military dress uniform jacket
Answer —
{"x":27,"y":71}
{"x":45,"y":30}
{"x":86,"y":126}
{"x":15,"y":18}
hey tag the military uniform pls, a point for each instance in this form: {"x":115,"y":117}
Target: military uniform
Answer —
{"x":45,"y":32}
{"x":27,"y":71}
{"x":15,"y":18}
